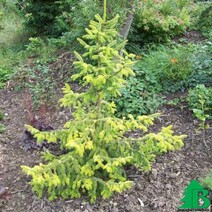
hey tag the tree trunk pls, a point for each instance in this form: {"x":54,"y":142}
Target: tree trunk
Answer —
{"x":128,"y":22}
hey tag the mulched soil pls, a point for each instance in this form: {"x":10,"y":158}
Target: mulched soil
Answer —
{"x":189,"y":36}
{"x":160,"y":190}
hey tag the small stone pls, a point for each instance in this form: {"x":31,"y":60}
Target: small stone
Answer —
{"x":114,"y":209}
{"x":77,"y":210}
{"x":168,"y":193}
{"x":174,"y":175}
{"x":2,"y":191}
{"x":154,"y":174}
{"x":115,"y":203}
{"x":177,"y":167}
{"x":141,"y":202}
{"x":168,"y":186}
{"x":1,"y":204}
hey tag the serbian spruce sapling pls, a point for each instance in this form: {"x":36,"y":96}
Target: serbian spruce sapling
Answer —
{"x":95,"y":143}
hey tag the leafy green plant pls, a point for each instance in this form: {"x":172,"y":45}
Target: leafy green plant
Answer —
{"x":40,"y":84}
{"x":1,"y":116}
{"x":157,"y":21}
{"x":200,"y":102}
{"x":11,"y":38}
{"x":77,"y":18}
{"x":69,"y":17}
{"x":34,"y":45}
{"x":40,"y":16}
{"x":5,"y":75}
{"x":41,"y":48}
{"x":173,"y":102}
{"x":171,"y":66}
{"x":1,"y":17}
{"x":204,"y":23}
{"x":200,"y":95}
{"x":10,"y":59}
{"x":2,"y":127}
{"x":11,"y":24}
{"x":66,"y":25}
{"x":96,"y":150}
{"x":201,"y":65}
{"x":207,"y":181}
{"x":140,"y":94}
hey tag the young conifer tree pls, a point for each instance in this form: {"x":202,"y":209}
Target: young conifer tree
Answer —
{"x":96,"y":149}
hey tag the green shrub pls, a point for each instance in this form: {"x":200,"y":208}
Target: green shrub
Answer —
{"x":195,"y":14}
{"x":1,"y":116}
{"x":156,"y":21}
{"x":139,"y":96}
{"x":200,"y":102}
{"x":80,"y":15}
{"x":201,"y":65}
{"x":207,"y":181}
{"x":43,"y":49}
{"x":1,"y":17}
{"x":2,"y":128}
{"x":204,"y":24}
{"x":171,"y":66}
{"x":40,"y":84}
{"x":200,"y":99}
{"x":96,"y":150}
{"x":5,"y":75}
{"x":9,"y":59}
{"x":10,"y":40}
{"x":11,"y":23}
{"x":65,"y":17}
{"x":77,"y":18}
{"x":54,"y":18}
{"x":40,"y":15}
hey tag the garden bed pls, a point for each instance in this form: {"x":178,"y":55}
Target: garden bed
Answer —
{"x":160,"y":190}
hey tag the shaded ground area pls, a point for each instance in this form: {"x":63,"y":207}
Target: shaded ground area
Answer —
{"x":160,"y":190}
{"x":190,"y":36}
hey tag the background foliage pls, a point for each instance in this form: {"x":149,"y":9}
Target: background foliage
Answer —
{"x":54,"y":18}
{"x":200,"y":99}
{"x":157,"y":21}
{"x":170,"y":65}
{"x":207,"y":181}
{"x":140,"y":94}
{"x":201,"y":65}
{"x":204,"y":24}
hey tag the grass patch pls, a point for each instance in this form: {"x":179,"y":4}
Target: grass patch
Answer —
{"x":12,"y":39}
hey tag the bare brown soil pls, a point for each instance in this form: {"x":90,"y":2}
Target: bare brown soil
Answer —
{"x":191,"y":36}
{"x":160,"y":190}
